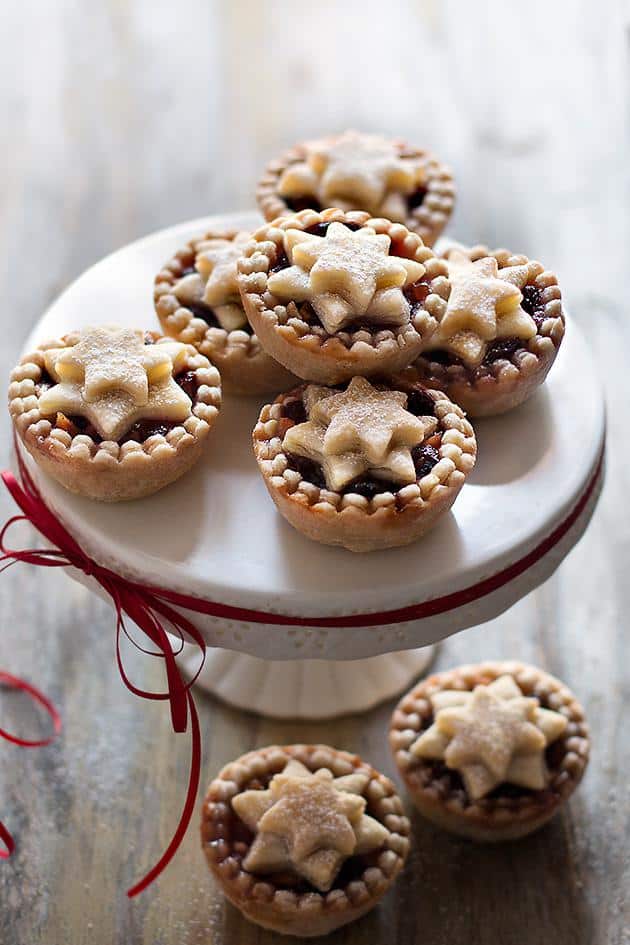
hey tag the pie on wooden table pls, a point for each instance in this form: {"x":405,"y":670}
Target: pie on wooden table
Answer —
{"x":500,"y":329}
{"x":490,"y":751}
{"x":356,"y":171}
{"x":333,"y":295}
{"x":369,"y":465}
{"x":197,"y":302}
{"x":303,"y":838}
{"x":114,"y":413}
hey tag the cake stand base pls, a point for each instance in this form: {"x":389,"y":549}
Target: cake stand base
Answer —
{"x":306,"y":689}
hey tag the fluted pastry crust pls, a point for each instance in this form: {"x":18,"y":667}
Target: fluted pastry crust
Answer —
{"x":276,"y":902}
{"x":386,"y":520}
{"x":502,"y":815}
{"x":428,"y":219}
{"x":107,"y":470}
{"x":244,"y":366}
{"x":505,"y":382}
{"x":303,"y":344}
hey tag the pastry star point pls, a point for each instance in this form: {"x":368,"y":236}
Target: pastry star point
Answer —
{"x":484,"y":304}
{"x":346,"y":275}
{"x":110,"y":392}
{"x":491,"y":735}
{"x":356,"y":170}
{"x":130,"y":364}
{"x":308,"y":823}
{"x":358,"y":430}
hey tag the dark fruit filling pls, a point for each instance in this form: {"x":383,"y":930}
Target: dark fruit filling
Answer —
{"x":318,"y":229}
{"x":140,"y":431}
{"x":420,"y":403}
{"x":416,"y":198}
{"x":295,"y":410}
{"x":501,"y":348}
{"x":449,"y":782}
{"x":239,"y":838}
{"x":302,"y":203}
{"x":425,"y":456}
{"x":533,"y":303}
{"x":200,"y":309}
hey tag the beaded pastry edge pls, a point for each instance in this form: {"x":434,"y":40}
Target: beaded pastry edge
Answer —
{"x":457,"y":452}
{"x":529,"y":359}
{"x":313,"y":911}
{"x":265,"y":247}
{"x":428,"y":220}
{"x":182,"y":325}
{"x":415,"y":708}
{"x":40,"y":433}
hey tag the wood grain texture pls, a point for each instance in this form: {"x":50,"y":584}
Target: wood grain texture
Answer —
{"x":123,"y":116}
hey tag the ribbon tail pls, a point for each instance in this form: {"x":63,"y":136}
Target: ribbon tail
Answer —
{"x":9,"y":843}
{"x":189,"y":806}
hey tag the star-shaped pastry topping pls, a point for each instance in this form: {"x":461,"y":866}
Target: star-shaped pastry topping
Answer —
{"x":106,"y":387}
{"x":346,"y":276}
{"x":361,"y":429}
{"x":484,"y":304}
{"x":493,"y":735}
{"x":107,"y":357}
{"x":356,"y":171}
{"x":215,"y":281}
{"x":308,"y":824}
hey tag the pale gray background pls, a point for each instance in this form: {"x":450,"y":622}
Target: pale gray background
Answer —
{"x":122,"y":117}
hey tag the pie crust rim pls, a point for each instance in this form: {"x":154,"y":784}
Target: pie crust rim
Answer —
{"x":509,"y":382}
{"x":244,"y":365}
{"x":308,"y":350}
{"x":427,"y":220}
{"x":108,"y":471}
{"x":489,"y":820}
{"x":310,"y":913}
{"x":351,"y":520}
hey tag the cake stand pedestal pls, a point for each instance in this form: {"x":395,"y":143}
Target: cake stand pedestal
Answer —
{"x":216,"y":535}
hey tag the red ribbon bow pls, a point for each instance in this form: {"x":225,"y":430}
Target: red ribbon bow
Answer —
{"x":143,"y":605}
{"x":12,"y":682}
{"x":150,"y":608}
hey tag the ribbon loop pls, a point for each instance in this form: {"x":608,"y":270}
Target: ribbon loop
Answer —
{"x":14,"y":682}
{"x":131,"y":601}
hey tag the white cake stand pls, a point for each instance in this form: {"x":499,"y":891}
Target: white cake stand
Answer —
{"x":216,"y":534}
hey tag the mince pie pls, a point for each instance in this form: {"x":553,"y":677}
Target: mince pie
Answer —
{"x":303,"y":838}
{"x":366,"y":466}
{"x":114,"y":413}
{"x":332,"y":295}
{"x":490,"y":751}
{"x":197,"y":301}
{"x":500,"y":329}
{"x":355,"y":171}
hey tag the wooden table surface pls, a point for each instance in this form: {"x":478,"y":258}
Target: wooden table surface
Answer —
{"x":124,"y":116}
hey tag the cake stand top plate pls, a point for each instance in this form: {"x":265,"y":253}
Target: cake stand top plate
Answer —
{"x":216,"y":533}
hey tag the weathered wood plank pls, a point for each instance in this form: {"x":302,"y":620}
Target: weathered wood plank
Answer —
{"x":125,"y":116}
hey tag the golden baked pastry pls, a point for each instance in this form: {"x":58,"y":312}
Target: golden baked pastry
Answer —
{"x":500,"y":328}
{"x":303,"y":838}
{"x":197,"y":302}
{"x":369,"y":466}
{"x":114,"y":413}
{"x":332,"y":295}
{"x":490,"y":751}
{"x":356,"y":171}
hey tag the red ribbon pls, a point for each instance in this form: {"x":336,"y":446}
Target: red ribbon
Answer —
{"x":146,"y":608}
{"x":150,"y":608}
{"x":13,"y":682}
